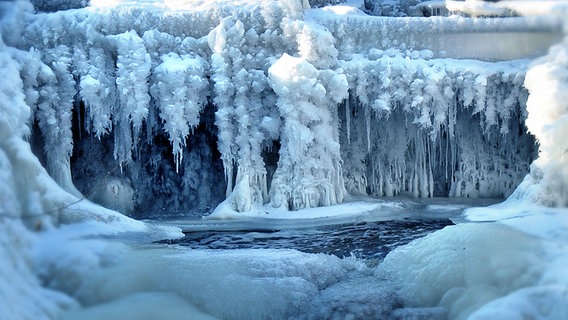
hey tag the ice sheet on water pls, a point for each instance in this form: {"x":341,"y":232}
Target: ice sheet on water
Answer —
{"x":111,"y":278}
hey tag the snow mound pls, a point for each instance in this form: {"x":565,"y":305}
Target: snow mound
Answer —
{"x":463,"y":267}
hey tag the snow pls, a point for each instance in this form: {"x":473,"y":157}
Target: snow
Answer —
{"x":343,"y":10}
{"x":19,"y":280}
{"x":544,"y":298}
{"x":545,"y":302}
{"x":507,"y":261}
{"x":476,"y":8}
{"x":547,"y":82}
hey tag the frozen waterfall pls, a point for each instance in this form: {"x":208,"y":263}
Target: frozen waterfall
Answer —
{"x":253,"y":112}
{"x":274,"y":104}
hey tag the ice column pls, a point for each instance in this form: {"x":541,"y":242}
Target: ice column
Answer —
{"x":245,"y":116}
{"x":309,"y":172}
{"x":57,"y":91}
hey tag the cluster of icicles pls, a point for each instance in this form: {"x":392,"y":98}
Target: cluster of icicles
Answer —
{"x":377,"y":122}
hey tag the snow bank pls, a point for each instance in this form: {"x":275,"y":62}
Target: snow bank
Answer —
{"x":545,"y":302}
{"x":23,"y":187}
{"x":23,"y":294}
{"x":349,"y":210}
{"x":465,"y":266}
{"x":545,"y":297}
{"x":251,"y":284}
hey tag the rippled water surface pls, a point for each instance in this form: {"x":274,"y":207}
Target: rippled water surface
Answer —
{"x":371,"y":236}
{"x":367,"y":240}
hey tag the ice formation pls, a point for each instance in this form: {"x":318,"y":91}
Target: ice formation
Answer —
{"x":547,"y":109}
{"x":176,"y":106}
{"x":262,"y":107}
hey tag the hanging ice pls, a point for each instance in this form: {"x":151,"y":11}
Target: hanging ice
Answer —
{"x":132,"y":72}
{"x":179,"y":88}
{"x":56,"y":93}
{"x":422,"y":113}
{"x":274,"y":105}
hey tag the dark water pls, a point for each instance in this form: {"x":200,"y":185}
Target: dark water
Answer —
{"x":365,"y":240}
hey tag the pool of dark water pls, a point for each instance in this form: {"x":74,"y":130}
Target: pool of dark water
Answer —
{"x":364,"y":240}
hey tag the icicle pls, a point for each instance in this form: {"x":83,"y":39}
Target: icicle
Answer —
{"x":133,"y":69}
{"x":368,"y":127}
{"x":228,"y":177}
{"x":179,"y":89}
{"x":429,"y":164}
{"x":348,"y":118}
